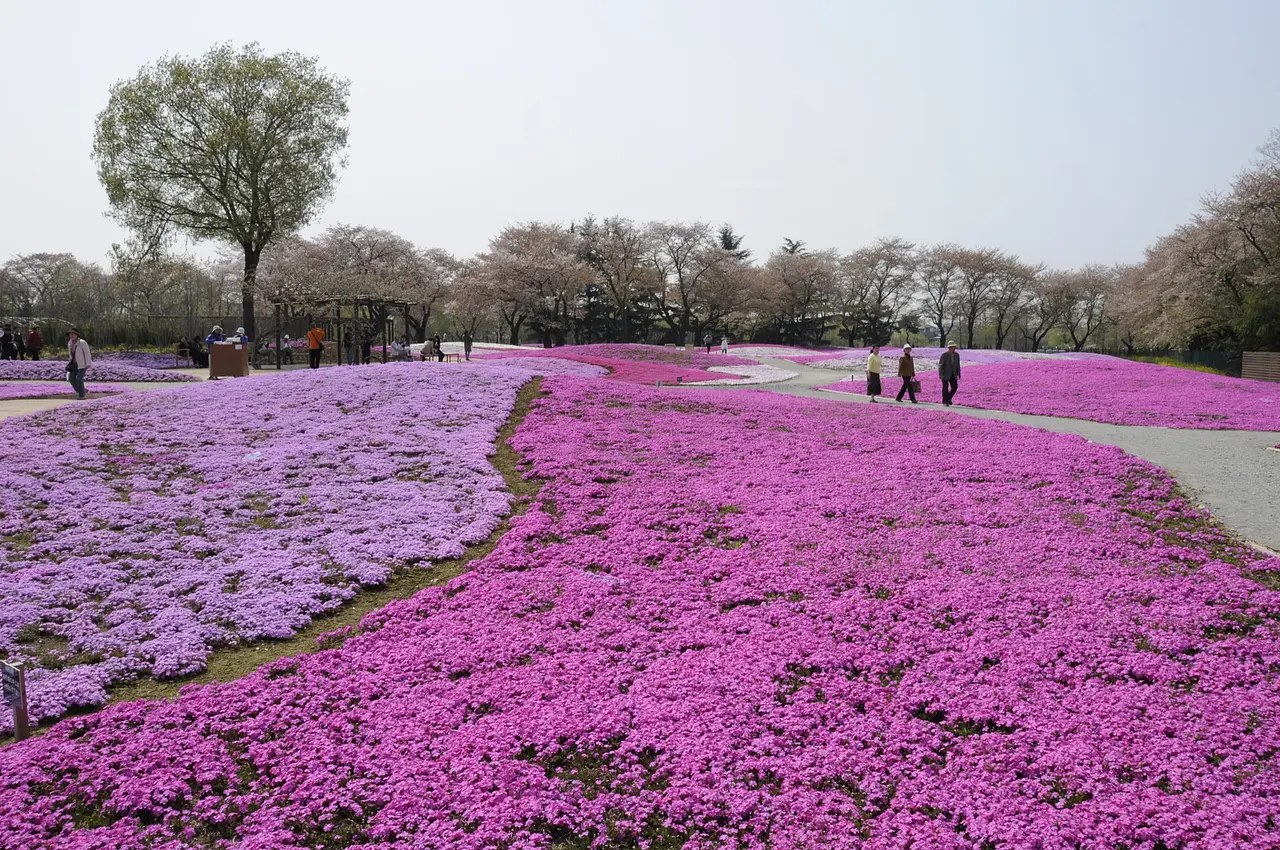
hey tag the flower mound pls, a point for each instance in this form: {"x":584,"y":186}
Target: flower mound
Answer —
{"x":1107,"y":389}
{"x":33,"y":389}
{"x":644,"y":364}
{"x":144,"y":359}
{"x":742,"y":621}
{"x":56,"y":370}
{"x":140,"y":532}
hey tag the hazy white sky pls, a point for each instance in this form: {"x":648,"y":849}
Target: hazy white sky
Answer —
{"x":1067,"y":132}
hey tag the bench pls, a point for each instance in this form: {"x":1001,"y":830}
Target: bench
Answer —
{"x":180,"y":353}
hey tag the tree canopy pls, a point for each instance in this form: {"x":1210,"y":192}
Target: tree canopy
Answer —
{"x":234,"y":146}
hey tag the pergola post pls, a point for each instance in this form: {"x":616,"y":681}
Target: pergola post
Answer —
{"x":279,"y":354}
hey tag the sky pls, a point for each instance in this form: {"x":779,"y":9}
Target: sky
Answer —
{"x":1063,"y":132}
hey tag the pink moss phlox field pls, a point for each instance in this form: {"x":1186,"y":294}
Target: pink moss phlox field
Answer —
{"x":34,"y":389}
{"x":1109,"y":389}
{"x":747,"y":621}
{"x":56,"y":370}
{"x":639,"y":364}
{"x":137,"y":533}
{"x":144,"y":359}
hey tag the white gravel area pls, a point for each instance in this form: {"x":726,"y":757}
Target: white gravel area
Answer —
{"x":759,"y":374}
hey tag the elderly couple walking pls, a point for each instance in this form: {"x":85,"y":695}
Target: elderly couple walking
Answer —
{"x":948,"y":371}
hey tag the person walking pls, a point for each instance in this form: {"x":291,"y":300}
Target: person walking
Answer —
{"x":349,"y":345}
{"x":949,"y":372}
{"x":315,"y":347}
{"x":35,"y":342}
{"x":724,"y":345}
{"x":706,"y":338}
{"x":78,"y":363}
{"x":873,"y":373}
{"x":466,"y":344}
{"x":7,"y":349}
{"x":20,"y":345}
{"x":907,"y":372}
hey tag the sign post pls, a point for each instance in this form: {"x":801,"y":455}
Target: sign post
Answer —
{"x":15,"y":694}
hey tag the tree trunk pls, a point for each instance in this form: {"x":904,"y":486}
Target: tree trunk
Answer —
{"x":251,"y":257}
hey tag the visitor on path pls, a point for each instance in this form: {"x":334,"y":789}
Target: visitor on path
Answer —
{"x":20,"y":345}
{"x":79,"y":361}
{"x":437,"y":344}
{"x":315,"y":346}
{"x":366,"y":346}
{"x":724,"y":345}
{"x":35,"y":342}
{"x":349,"y":342}
{"x":466,"y":344}
{"x":873,"y":373}
{"x":286,"y":350}
{"x":949,"y":372}
{"x":199,"y":356}
{"x":8,"y":350}
{"x":907,"y":372}
{"x":706,"y":339}
{"x":215,"y":335}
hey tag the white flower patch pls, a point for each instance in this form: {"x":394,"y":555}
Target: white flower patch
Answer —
{"x":770,"y":351}
{"x":759,"y":374}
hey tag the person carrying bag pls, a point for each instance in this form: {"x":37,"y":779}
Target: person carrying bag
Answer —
{"x":907,"y":372}
{"x":78,"y":363}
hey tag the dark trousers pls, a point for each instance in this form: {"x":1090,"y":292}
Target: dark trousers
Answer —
{"x":315,"y":354}
{"x":34,"y":352}
{"x":949,"y":387}
{"x":76,"y":379}
{"x":906,"y":388}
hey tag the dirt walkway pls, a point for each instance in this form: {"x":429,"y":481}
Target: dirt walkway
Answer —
{"x":1234,"y":473}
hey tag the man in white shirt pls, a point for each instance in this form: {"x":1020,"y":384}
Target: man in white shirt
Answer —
{"x":80,"y":360}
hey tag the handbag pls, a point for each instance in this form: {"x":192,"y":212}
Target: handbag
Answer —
{"x":915,"y":385}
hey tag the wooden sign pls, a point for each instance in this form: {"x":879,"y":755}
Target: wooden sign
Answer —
{"x":15,"y":694}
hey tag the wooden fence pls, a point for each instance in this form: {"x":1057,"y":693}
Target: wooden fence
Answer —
{"x":1261,"y":365}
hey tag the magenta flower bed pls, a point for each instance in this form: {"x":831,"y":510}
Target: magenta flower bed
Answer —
{"x":56,"y":370}
{"x":748,"y":621}
{"x":1107,"y":389}
{"x":547,"y":366}
{"x":139,"y":533}
{"x":33,"y":389}
{"x":638,"y":364}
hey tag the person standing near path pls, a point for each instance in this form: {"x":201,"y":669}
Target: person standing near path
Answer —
{"x":19,"y":342}
{"x":349,"y":342}
{"x":315,"y":346}
{"x":215,"y":335}
{"x":35,"y":342}
{"x":724,"y":345}
{"x":466,"y":344}
{"x":907,"y":372}
{"x":8,"y":350}
{"x":79,"y":362}
{"x":873,"y":373}
{"x":949,"y":372}
{"x":706,"y":338}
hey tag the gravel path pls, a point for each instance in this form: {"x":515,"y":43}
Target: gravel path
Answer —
{"x":1235,"y":474}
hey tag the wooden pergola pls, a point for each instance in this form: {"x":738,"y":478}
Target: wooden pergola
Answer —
{"x":334,"y":308}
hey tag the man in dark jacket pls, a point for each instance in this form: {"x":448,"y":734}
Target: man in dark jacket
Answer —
{"x":949,"y":372}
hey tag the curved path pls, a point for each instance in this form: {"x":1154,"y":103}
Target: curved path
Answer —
{"x":1235,"y":474}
